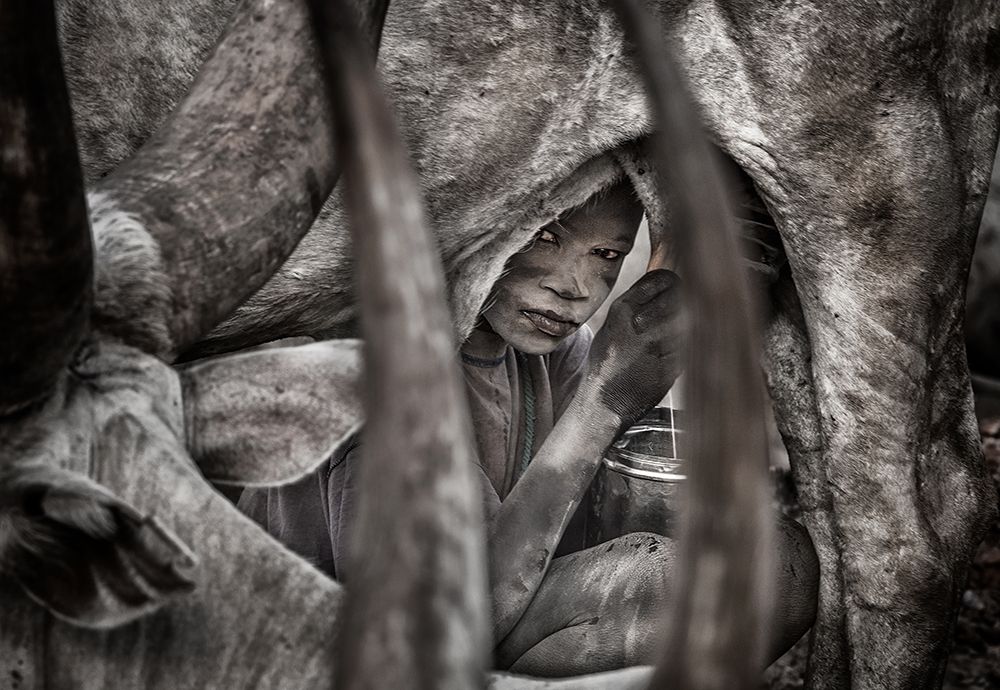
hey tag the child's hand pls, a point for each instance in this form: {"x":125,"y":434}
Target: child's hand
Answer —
{"x":636,"y":356}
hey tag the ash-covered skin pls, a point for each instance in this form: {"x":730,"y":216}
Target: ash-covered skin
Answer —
{"x":637,"y":354}
{"x":550,"y":288}
{"x":602,"y":608}
{"x":556,"y":616}
{"x":559,"y":281}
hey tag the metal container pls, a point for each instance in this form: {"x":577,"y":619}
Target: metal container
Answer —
{"x":637,"y":487}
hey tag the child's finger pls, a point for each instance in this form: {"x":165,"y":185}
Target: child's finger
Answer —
{"x":650,"y":285}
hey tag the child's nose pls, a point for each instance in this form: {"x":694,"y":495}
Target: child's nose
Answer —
{"x":568,"y":283}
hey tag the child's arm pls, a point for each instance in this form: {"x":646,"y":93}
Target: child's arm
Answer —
{"x":633,"y":362}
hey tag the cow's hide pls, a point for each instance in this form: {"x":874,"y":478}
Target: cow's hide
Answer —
{"x":127,"y":64}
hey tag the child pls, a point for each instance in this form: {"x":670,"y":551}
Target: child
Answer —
{"x":546,"y":400}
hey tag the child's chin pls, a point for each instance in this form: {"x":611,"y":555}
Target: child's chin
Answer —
{"x":536,"y":343}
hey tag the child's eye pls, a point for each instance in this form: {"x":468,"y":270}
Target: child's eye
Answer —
{"x":547,"y":236}
{"x":608,"y":254}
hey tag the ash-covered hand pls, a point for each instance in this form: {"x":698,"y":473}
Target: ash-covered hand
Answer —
{"x":637,"y":355}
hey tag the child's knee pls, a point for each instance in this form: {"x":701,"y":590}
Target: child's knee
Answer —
{"x":798,"y":564}
{"x":640,"y":592}
{"x":797,"y":584}
{"x":644,"y":559}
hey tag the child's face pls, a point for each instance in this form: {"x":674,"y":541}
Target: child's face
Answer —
{"x":551,"y":288}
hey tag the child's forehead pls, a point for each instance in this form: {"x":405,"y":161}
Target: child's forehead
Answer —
{"x":612,"y":215}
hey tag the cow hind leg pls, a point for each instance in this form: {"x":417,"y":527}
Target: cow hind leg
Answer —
{"x":788,"y":369}
{"x":895,"y":469}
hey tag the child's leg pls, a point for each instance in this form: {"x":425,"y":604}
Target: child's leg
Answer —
{"x":596,"y":610}
{"x":605,"y":608}
{"x":796,"y":587}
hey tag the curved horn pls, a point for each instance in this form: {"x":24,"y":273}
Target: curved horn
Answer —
{"x":237,"y":175}
{"x":416,"y":604}
{"x":718,"y":623}
{"x":46,"y":259}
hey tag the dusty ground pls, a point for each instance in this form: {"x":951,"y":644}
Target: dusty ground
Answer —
{"x":975,"y":658}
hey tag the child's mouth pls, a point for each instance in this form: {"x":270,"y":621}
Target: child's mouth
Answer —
{"x":549,"y":324}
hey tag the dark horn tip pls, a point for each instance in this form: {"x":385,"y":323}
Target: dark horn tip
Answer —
{"x":46,"y":259}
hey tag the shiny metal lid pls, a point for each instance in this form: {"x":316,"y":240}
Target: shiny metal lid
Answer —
{"x":648,"y":449}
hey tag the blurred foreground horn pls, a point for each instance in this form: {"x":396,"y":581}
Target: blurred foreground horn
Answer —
{"x":416,"y":610}
{"x":724,"y":570}
{"x":46,"y":260}
{"x":233,"y":180}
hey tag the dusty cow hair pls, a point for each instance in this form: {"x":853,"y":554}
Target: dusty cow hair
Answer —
{"x":116,"y":106}
{"x":131,"y":289}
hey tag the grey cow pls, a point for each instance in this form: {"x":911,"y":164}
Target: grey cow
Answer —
{"x":840,"y":116}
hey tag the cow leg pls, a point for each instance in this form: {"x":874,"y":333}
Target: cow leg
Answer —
{"x":788,"y":368}
{"x":897,"y":497}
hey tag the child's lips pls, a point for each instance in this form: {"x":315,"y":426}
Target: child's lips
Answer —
{"x":549,"y":324}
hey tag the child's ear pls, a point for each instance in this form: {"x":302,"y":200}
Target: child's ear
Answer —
{"x":270,"y":417}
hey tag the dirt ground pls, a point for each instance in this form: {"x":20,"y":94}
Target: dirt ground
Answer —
{"x":975,"y":656}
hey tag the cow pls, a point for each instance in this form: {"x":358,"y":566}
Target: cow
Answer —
{"x":867,"y":130}
{"x":116,"y":555}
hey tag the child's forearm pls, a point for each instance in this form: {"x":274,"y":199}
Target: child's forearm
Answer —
{"x":531,"y":520}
